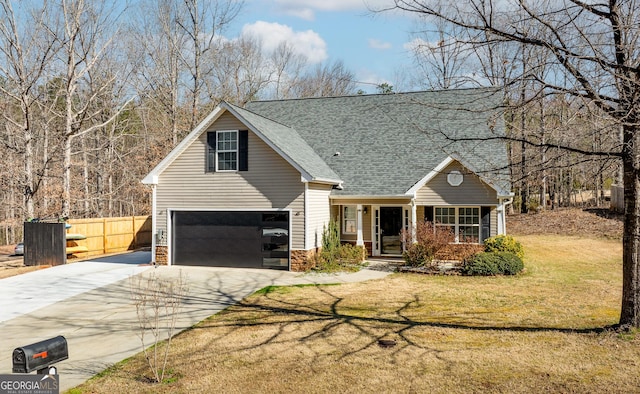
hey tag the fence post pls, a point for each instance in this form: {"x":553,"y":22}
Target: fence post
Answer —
{"x":135,"y":233}
{"x":104,"y":236}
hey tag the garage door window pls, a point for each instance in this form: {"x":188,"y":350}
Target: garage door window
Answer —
{"x":275,"y":240}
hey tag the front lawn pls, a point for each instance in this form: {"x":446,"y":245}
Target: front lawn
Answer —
{"x":540,"y":331}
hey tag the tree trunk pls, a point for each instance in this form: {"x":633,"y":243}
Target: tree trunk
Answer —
{"x":66,"y":177}
{"x":45,"y":169}
{"x":630,"y":313}
{"x":85,"y":178}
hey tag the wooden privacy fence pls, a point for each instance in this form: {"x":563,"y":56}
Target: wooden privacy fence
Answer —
{"x":111,"y":235}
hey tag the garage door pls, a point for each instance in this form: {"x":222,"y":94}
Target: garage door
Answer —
{"x":245,"y":239}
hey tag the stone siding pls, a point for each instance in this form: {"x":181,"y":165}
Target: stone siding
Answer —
{"x":162,"y":257}
{"x":303,"y":260}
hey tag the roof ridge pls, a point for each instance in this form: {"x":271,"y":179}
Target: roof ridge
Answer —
{"x":262,"y":116}
{"x":416,"y":92}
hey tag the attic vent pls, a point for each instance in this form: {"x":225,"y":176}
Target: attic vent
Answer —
{"x":455,"y":178}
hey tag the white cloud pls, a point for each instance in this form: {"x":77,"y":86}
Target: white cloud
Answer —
{"x":306,"y":9}
{"x":377,"y":44}
{"x":307,"y":43}
{"x":417,"y":43}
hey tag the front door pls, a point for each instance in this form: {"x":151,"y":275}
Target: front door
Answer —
{"x":390,"y":227}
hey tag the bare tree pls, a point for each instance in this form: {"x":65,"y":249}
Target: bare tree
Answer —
{"x":594,"y":56}
{"x":444,"y":63}
{"x":331,"y":79}
{"x":241,"y":71}
{"x":156,"y":51}
{"x":85,"y":34}
{"x":26,"y":57}
{"x":202,"y":21}
{"x":288,"y":67}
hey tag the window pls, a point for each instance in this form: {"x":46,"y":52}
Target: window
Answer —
{"x":468,"y":225}
{"x":349,"y":219}
{"x":463,"y":221}
{"x":227,"y":150}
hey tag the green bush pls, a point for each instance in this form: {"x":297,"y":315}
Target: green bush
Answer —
{"x":504,"y":243}
{"x":482,"y":264}
{"x":351,"y":254}
{"x":509,"y":263}
{"x":337,"y":257}
{"x":493,"y":263}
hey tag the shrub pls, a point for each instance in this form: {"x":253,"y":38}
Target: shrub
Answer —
{"x":351,"y":254}
{"x":459,"y":252}
{"x":330,"y":237}
{"x":493,"y":263}
{"x":417,"y":255}
{"x":335,"y":256}
{"x":508,"y":263}
{"x":504,"y":243}
{"x":482,"y":264}
{"x":429,"y":240}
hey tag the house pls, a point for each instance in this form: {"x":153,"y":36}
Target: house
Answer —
{"x":255,"y":186}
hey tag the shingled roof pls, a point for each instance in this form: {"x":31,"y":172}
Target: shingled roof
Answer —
{"x":289,"y":144}
{"x":381,"y":145}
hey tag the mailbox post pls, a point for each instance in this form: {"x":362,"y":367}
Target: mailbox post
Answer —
{"x":40,"y":355}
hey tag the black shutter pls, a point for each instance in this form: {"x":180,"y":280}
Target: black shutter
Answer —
{"x":485,"y":231}
{"x":243,"y":150}
{"x":211,"y":151}
{"x":428,"y":214}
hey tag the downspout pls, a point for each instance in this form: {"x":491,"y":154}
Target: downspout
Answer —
{"x":307,"y":240}
{"x":502,"y":215}
{"x":154,"y":236}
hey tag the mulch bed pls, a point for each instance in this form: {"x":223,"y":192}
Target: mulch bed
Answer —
{"x":439,"y":269}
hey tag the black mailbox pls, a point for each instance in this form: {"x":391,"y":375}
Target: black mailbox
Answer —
{"x":40,"y":355}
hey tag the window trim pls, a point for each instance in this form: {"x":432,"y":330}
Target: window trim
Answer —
{"x":219,"y":151}
{"x":345,"y":219}
{"x":457,"y":225}
{"x":211,"y":153}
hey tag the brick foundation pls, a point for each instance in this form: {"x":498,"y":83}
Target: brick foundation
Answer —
{"x":162,"y":257}
{"x":303,"y":260}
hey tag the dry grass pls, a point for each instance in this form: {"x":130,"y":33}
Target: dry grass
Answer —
{"x":541,"y":331}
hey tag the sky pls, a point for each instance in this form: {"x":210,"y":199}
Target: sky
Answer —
{"x":374,"y":46}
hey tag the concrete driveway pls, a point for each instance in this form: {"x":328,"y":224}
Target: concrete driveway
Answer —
{"x":89,"y":303}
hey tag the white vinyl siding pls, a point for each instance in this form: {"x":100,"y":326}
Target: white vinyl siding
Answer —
{"x":472,"y":191}
{"x":318,"y":214}
{"x":270,"y":183}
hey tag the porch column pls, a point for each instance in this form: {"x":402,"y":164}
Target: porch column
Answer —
{"x":359,"y":239}
{"x":414,"y":219}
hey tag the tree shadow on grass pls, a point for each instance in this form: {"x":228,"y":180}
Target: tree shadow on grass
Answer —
{"x":276,"y":313}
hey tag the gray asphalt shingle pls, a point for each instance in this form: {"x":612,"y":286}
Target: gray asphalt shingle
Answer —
{"x":388,"y":142}
{"x":290,"y":144}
